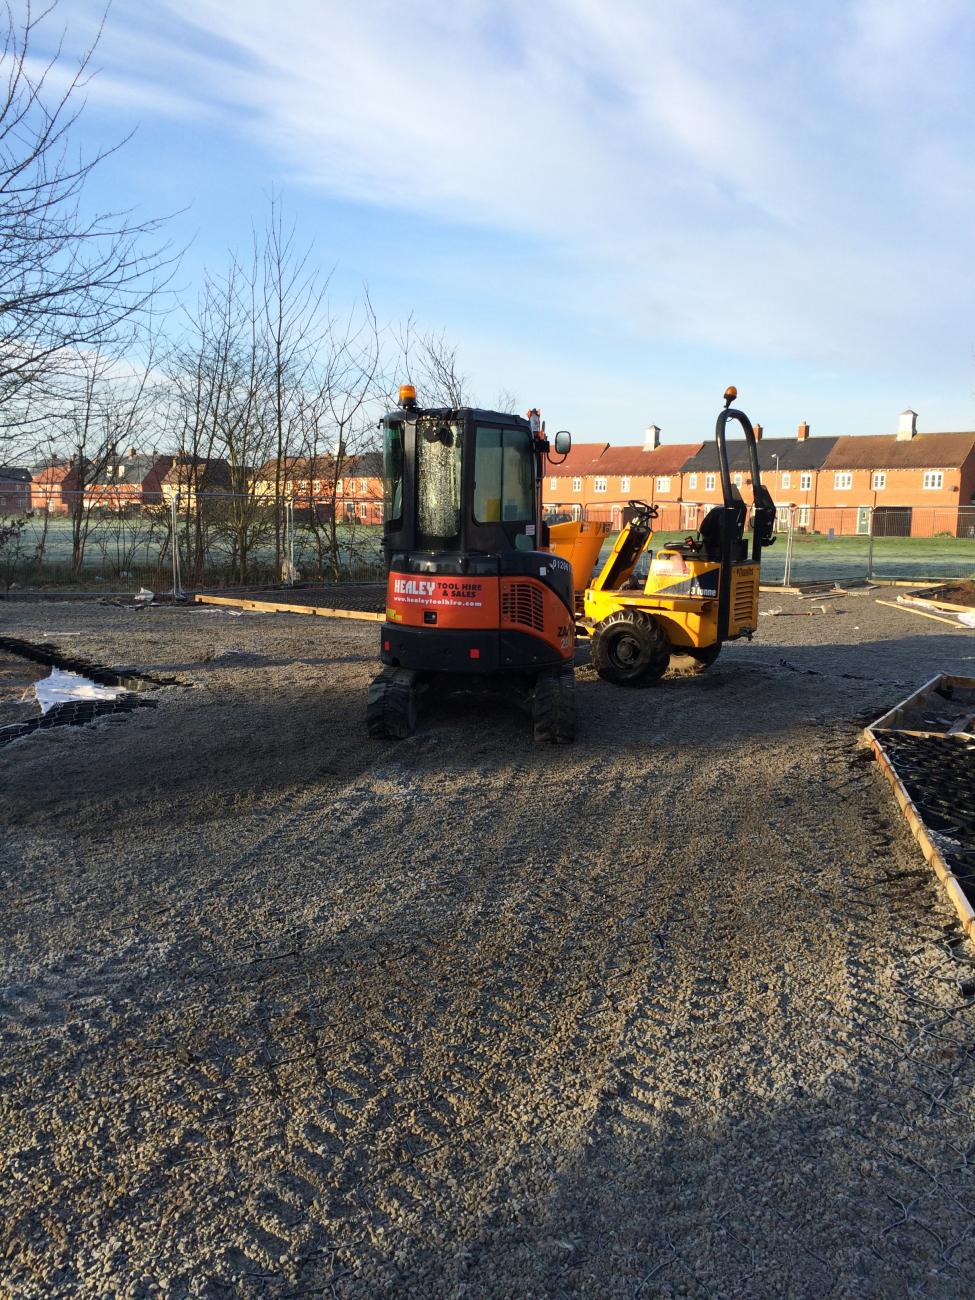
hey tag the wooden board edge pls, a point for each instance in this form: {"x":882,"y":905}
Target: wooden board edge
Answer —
{"x":891,"y":717}
{"x":921,"y":613}
{"x":932,"y":854}
{"x":281,"y":607}
{"x":935,"y":604}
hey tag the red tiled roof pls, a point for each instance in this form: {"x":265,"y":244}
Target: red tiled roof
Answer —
{"x":884,"y":451}
{"x":580,"y":456}
{"x":668,"y":459}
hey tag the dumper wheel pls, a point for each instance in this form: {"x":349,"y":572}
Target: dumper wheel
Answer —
{"x":630,"y":648}
{"x":554,"y":707}
{"x":391,"y":705}
{"x":705,"y":657}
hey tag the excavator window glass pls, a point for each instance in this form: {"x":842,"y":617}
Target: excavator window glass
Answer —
{"x":503,"y":476}
{"x":439,"y":445}
{"x":393,"y":472}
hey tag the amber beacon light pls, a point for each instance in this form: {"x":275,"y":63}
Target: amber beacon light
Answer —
{"x":407,"y":394}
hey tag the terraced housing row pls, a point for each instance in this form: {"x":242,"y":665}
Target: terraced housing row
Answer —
{"x":910,"y":483}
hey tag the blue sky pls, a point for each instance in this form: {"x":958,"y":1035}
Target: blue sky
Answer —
{"x":613,"y":207}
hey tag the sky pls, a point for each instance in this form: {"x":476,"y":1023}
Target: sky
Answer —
{"x":614,"y":208}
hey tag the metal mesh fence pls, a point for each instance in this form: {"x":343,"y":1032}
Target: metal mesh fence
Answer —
{"x":848,"y":543}
{"x":221,"y":539}
{"x":226,"y":539}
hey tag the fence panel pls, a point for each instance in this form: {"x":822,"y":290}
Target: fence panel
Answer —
{"x":221,"y":539}
{"x":923,"y":542}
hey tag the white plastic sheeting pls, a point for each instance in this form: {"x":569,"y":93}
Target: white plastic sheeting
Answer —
{"x":65,"y":688}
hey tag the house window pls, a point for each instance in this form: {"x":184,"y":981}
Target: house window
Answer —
{"x":933,"y":478}
{"x":692,"y":481}
{"x":786,"y":479}
{"x":363,"y":484}
{"x":363,"y":511}
{"x":624,"y":485}
{"x":805,"y":482}
{"x":338,"y":487}
{"x":599,"y":485}
{"x":553,"y":483}
{"x":577,"y":485}
{"x":842,"y":482}
{"x":879,"y":482}
{"x":710,"y":481}
{"x":738,"y":480}
{"x":663,"y":484}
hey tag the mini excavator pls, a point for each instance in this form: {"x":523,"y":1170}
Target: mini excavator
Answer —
{"x":474,"y":601}
{"x":699,"y":592}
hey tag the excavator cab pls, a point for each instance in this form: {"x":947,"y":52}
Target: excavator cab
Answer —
{"x":473,"y":602}
{"x":698,"y":594}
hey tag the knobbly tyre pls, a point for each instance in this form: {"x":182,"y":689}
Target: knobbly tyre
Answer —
{"x":474,"y":603}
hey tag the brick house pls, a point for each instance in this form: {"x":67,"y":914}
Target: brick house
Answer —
{"x":15,"y":490}
{"x":598,"y":480}
{"x":916,"y":484}
{"x":189,"y":475}
{"x":790,"y":470}
{"x":128,"y":482}
{"x":55,"y":485}
{"x":357,"y":493}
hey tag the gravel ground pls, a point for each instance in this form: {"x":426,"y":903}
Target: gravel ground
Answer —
{"x":287,"y":1011}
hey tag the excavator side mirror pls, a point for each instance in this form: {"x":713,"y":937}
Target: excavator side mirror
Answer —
{"x":563,"y":442}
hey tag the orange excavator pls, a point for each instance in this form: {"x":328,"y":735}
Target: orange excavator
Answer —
{"x":475,"y":602}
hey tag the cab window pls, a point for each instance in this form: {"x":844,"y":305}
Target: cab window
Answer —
{"x":503,"y":476}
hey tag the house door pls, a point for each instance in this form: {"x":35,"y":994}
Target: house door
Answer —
{"x":690,"y":517}
{"x":863,"y":519}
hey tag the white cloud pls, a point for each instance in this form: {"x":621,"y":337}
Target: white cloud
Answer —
{"x":736,"y":176}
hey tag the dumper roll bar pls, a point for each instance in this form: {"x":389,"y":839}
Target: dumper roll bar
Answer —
{"x":763,"y":507}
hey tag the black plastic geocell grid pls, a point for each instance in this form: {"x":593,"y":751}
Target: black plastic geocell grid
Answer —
{"x":78,"y":713}
{"x":74,"y":714}
{"x":938,"y":773}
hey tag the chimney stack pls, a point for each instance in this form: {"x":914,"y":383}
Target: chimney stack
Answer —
{"x":907,"y":426}
{"x":758,"y":432}
{"x":803,"y":433}
{"x":651,"y":439}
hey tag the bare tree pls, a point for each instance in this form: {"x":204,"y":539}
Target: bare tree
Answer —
{"x":69,"y":279}
{"x":429,"y":362}
{"x":292,"y":297}
{"x":351,"y":387}
{"x":225,"y":407}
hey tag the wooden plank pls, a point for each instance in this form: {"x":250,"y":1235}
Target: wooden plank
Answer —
{"x":280,"y":607}
{"x":923,"y":613}
{"x":935,"y":604}
{"x":891,"y":718}
{"x":932,"y":854}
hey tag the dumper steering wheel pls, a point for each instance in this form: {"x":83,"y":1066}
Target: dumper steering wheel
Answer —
{"x":644,"y":508}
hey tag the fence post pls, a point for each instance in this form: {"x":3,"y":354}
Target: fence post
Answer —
{"x":870,"y":548}
{"x":289,"y":541}
{"x":178,"y":592}
{"x":787,"y":570}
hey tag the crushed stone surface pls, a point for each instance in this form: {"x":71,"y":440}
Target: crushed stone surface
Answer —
{"x":286,"y":1011}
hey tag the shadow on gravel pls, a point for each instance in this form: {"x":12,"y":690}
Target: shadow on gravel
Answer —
{"x":804,"y":1200}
